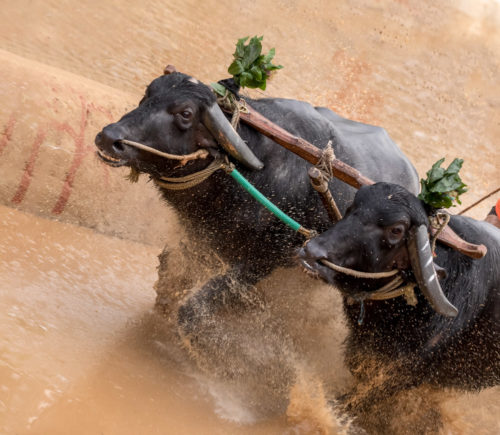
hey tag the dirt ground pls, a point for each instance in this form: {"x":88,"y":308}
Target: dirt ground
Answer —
{"x":79,"y":244}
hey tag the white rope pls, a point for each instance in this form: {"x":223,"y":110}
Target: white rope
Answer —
{"x":191,"y":180}
{"x":200,"y":154}
{"x":391,"y":290}
{"x":230,"y":103}
{"x":325,"y":167}
{"x":357,"y":273}
{"x":439,"y":226}
{"x":325,"y":163}
{"x":180,"y":183}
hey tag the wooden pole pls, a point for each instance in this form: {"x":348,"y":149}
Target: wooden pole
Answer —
{"x":321,"y":186}
{"x":301,"y":147}
{"x":342,"y":171}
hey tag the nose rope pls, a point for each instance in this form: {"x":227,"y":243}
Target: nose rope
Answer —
{"x":357,"y":273}
{"x":392,"y":289}
{"x":184,"y":158}
{"x":191,"y":180}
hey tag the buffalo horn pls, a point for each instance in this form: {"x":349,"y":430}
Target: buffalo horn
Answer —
{"x":226,"y":136}
{"x":169,"y":69}
{"x":420,"y":254}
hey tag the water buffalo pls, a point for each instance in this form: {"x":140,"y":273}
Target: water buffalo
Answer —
{"x":447,"y":336}
{"x":179,"y":115}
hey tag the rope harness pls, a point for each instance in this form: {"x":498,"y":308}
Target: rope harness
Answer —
{"x":397,"y":287}
{"x":325,"y":168}
{"x":357,"y":273}
{"x":229,"y":102}
{"x":394,"y":288}
{"x":184,"y":158}
{"x":390,"y":290}
{"x":220,"y":162}
{"x":325,"y":162}
{"x":191,"y":180}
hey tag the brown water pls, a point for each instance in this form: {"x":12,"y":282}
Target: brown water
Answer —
{"x":81,"y":351}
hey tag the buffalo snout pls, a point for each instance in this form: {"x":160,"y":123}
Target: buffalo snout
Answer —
{"x":110,"y":148}
{"x":109,"y":138}
{"x":310,"y":256}
{"x":312,"y":251}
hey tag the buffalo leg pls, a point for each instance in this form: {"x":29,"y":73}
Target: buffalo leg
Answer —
{"x":390,"y":395}
{"x":233,"y":292}
{"x":181,"y":268}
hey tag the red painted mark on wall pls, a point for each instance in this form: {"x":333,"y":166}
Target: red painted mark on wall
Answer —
{"x":7,"y":132}
{"x":103,"y":110}
{"x":80,"y":151}
{"x":28,"y":169}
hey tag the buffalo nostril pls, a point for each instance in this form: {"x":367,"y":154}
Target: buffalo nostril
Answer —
{"x":118,"y":147}
{"x":110,"y":137}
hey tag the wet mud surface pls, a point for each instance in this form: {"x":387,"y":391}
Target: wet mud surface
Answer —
{"x":81,"y":350}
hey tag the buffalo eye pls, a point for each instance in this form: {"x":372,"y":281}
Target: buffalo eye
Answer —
{"x":394,"y":233}
{"x":186,"y":114}
{"x":184,"y":118}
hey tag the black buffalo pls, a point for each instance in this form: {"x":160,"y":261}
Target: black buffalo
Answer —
{"x":450,"y":337}
{"x":179,"y":115}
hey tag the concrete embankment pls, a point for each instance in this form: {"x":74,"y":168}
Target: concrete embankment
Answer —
{"x":48,"y":122}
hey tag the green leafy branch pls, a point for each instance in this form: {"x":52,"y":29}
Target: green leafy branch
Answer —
{"x":443,"y":186}
{"x":250,"y":68}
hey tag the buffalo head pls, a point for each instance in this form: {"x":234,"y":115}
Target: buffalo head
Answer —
{"x":177,"y":115}
{"x":385,"y":228}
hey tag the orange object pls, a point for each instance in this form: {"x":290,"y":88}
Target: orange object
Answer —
{"x":497,"y":208}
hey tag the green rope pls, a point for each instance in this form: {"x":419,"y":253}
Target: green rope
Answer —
{"x":226,"y":99}
{"x":243,"y":182}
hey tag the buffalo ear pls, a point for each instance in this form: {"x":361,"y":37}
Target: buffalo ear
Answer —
{"x":419,"y":251}
{"x":228,"y":138}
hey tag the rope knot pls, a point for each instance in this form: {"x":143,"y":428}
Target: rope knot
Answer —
{"x":231,"y":104}
{"x":320,"y":176}
{"x":325,"y":163}
{"x":439,"y":225}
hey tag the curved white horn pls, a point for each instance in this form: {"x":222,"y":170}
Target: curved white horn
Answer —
{"x":419,"y":251}
{"x":228,"y":138}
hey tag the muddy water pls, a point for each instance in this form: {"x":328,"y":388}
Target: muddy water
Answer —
{"x":83,"y":353}
{"x":80,"y":350}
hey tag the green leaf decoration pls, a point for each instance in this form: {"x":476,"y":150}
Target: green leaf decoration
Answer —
{"x":219,"y":89}
{"x":251,"y":68}
{"x":240,"y":48}
{"x":443,"y":186}
{"x":236,"y":68}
